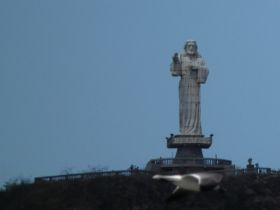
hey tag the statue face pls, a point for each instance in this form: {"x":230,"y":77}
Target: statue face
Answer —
{"x":191,"y":48}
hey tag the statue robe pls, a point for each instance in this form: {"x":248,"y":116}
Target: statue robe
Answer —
{"x":193,"y":72}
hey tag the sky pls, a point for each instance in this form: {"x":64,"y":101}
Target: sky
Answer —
{"x":86,"y":84}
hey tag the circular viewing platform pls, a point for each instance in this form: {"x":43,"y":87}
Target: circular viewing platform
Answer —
{"x":172,"y":164}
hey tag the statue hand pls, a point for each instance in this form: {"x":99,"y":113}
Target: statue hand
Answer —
{"x":175,"y":58}
{"x":194,"y":67}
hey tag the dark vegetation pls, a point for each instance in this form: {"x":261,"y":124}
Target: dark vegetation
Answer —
{"x":140,"y":192}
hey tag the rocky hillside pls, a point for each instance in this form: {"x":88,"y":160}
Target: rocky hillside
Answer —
{"x":140,"y":192}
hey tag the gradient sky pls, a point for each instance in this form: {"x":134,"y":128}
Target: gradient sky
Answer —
{"x":86,"y":84}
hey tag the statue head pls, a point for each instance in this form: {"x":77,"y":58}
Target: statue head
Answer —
{"x":191,"y":48}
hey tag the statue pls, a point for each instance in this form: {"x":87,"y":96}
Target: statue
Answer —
{"x":190,"y":141}
{"x":193,"y":71}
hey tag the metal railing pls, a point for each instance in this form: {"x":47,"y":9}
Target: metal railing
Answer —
{"x":90,"y":175}
{"x":189,"y":162}
{"x":258,"y":171}
{"x":155,"y":166}
{"x":209,"y":161}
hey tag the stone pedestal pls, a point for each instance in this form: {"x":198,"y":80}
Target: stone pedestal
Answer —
{"x":189,"y":152}
{"x":189,"y":146}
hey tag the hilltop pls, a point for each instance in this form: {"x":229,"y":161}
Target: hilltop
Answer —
{"x":140,"y":192}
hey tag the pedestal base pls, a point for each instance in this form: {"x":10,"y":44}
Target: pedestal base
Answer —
{"x":189,"y":146}
{"x":189,"y":152}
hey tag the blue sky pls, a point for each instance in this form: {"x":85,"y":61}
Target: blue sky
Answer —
{"x":86,"y":84}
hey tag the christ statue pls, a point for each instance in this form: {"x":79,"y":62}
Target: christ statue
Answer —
{"x":193,"y":71}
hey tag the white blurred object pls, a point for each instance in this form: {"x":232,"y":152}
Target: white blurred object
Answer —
{"x":201,"y":181}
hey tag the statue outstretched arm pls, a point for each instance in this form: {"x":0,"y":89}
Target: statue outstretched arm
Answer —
{"x":176,"y":66}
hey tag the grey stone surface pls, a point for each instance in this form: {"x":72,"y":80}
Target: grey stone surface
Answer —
{"x":189,"y":141}
{"x":193,"y":72}
{"x":189,"y":152}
